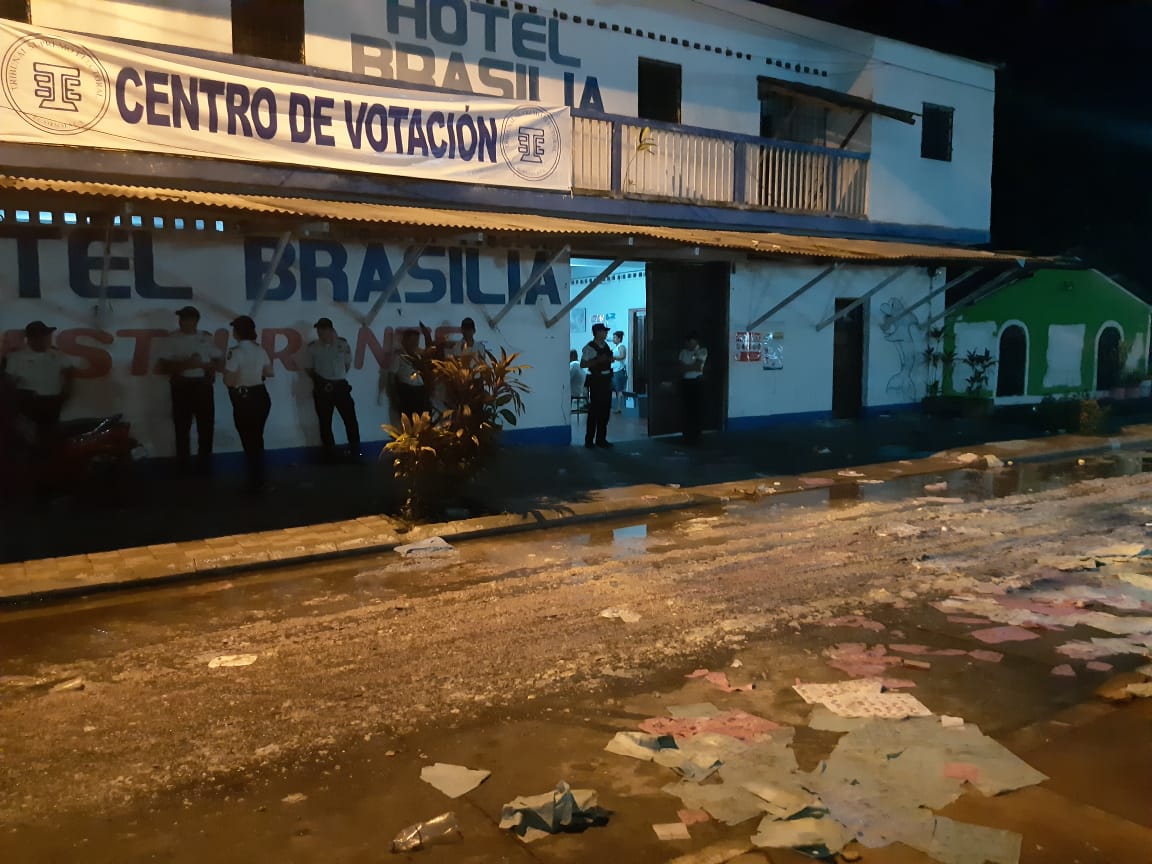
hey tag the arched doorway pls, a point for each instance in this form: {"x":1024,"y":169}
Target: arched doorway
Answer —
{"x":1108,"y":359}
{"x":1012,"y":370}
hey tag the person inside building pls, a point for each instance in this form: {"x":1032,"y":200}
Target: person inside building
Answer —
{"x":577,"y":377}
{"x":246,"y":367}
{"x":693,"y":356}
{"x":191,"y":360}
{"x":327,"y":360}
{"x":468,"y":346}
{"x":619,"y":371}
{"x":42,"y":378}
{"x":411,"y":371}
{"x":596,"y":358}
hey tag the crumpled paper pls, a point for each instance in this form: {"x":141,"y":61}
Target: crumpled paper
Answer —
{"x":563,"y":809}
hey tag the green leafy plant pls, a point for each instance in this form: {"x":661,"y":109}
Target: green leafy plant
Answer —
{"x":938,"y":362}
{"x":979,"y":365}
{"x":438,"y":450}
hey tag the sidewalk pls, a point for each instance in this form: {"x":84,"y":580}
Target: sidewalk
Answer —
{"x":160,"y":527}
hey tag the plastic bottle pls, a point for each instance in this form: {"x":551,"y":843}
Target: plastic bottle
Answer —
{"x":442,"y":829}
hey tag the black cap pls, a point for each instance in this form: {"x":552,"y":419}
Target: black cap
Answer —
{"x":468,"y":322}
{"x":598,"y":326}
{"x":188,"y":312}
{"x":38,"y":328}
{"x":245,"y":325}
{"x":324,"y":324}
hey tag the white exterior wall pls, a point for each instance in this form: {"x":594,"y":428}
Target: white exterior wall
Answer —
{"x":202,"y":24}
{"x":718,"y":91}
{"x":894,"y":372}
{"x":117,"y":347}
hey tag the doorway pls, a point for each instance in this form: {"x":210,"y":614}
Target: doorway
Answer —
{"x":1108,"y":359}
{"x":686,"y":298}
{"x":848,"y":361}
{"x":1011,"y":372}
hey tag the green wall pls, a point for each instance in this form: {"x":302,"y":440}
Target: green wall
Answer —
{"x":1059,"y":297}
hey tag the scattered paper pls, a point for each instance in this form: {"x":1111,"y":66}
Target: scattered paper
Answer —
{"x":1141,"y":691}
{"x":949,"y":722}
{"x":986,"y":656}
{"x":815,"y":694}
{"x":823,"y":720}
{"x":937,"y":500}
{"x":228,"y":661}
{"x":890,"y":706}
{"x":781,"y":800}
{"x":638,"y":745}
{"x":961,"y":843}
{"x":536,"y":816}
{"x":825,"y":834}
{"x":716,"y":853}
{"x":693,"y":817}
{"x":720,"y":680}
{"x":735,"y":724}
{"x":858,"y":621}
{"x":1098,"y":666}
{"x":996,"y":635}
{"x":625,"y":615}
{"x":430,"y":546}
{"x":453,"y":780}
{"x":725,"y":803}
{"x":294,"y":798}
{"x":68,"y":685}
{"x":696,"y":709}
{"x":1064,"y":670}
{"x":962,"y":771}
{"x":936,"y":488}
{"x":672,"y":831}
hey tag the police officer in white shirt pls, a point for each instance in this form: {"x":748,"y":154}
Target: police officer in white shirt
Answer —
{"x":327,"y":361}
{"x":191,"y":360}
{"x":692,"y":358}
{"x":245,"y":368}
{"x":468,"y":346}
{"x":43,"y":380}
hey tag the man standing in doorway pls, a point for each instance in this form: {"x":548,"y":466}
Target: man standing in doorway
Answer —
{"x":597,"y":359}
{"x":619,"y":370}
{"x":328,"y":358}
{"x":693,"y":356}
{"x":191,"y":360}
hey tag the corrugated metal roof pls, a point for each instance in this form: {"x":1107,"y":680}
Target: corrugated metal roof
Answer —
{"x":520,"y":223}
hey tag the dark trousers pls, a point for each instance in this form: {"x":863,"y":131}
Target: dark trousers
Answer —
{"x":599,"y":408}
{"x":250,"y":407}
{"x":411,"y":400}
{"x":329,"y":396}
{"x":692,"y":394}
{"x":43,"y":412}
{"x":193,"y":400}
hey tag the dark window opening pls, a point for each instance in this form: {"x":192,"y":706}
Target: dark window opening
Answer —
{"x":658,"y":91}
{"x":1013,"y":362}
{"x":787,"y":117}
{"x":269,"y":28}
{"x":15,"y":10}
{"x":936,"y":133}
{"x":1109,"y":363}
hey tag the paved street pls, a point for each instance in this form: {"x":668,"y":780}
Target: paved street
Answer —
{"x":497,"y":657}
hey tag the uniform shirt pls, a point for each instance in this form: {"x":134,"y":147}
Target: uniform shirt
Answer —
{"x":330,"y":362}
{"x":41,"y":372}
{"x":477,"y":349}
{"x":591,"y":352}
{"x":407,"y":373}
{"x":620,"y":356}
{"x":248,"y":359}
{"x":576,"y":377}
{"x":688,"y":356}
{"x":181,"y":346}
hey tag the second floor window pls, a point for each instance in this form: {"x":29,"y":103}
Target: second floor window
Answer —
{"x":787,"y":117}
{"x":936,"y":132}
{"x":14,"y":10}
{"x":658,"y":91}
{"x":269,"y":28}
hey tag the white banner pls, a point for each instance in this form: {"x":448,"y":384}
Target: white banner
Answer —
{"x":65,"y":88}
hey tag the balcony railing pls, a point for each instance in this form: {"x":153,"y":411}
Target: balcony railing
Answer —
{"x":627,"y":157}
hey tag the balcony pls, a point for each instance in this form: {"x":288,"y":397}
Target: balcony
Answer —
{"x":630,"y":158}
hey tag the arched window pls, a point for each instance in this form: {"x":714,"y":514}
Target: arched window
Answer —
{"x":1108,"y":359}
{"x":1012,"y":370}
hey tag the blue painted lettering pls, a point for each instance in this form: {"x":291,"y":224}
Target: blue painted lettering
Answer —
{"x":416,"y":139}
{"x":375,"y":274}
{"x":424,"y":74}
{"x":186,"y":103}
{"x":264,"y":114}
{"x":312,"y":272}
{"x":437,"y":285}
{"x":258,"y":252}
{"x":590,"y":99}
{"x":322,"y":117}
{"x":213,"y":90}
{"x":488,"y":67}
{"x":300,"y":117}
{"x":490,"y":14}
{"x":417,"y":13}
{"x":144,"y":265}
{"x":238,"y":100}
{"x":135,"y":113}
{"x":371,"y":57}
{"x":453,"y":31}
{"x":81,"y":265}
{"x":154,"y":97}
{"x":525,"y":33}
{"x":436,"y":119}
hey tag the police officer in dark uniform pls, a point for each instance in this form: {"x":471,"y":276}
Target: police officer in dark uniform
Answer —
{"x":191,"y":360}
{"x":597,"y":358}
{"x":329,"y":357}
{"x":245,"y":368}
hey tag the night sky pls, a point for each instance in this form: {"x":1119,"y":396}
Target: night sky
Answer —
{"x":1073,"y":152}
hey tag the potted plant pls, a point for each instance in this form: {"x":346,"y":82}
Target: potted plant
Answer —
{"x":977,"y":392}
{"x":939,"y":363}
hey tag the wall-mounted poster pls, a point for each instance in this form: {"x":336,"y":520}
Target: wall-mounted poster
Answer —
{"x":598,"y":319}
{"x":773,"y":348}
{"x":748,"y":346}
{"x":578,"y":319}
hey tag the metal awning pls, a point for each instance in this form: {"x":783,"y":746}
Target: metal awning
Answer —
{"x":832,"y":97}
{"x":312,"y":210}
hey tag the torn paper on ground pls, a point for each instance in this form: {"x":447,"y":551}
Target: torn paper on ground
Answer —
{"x":855,"y":621}
{"x":720,"y":680}
{"x":562,"y":809}
{"x":453,"y":780}
{"x":430,"y":546}
{"x":228,"y":661}
{"x":696,"y":709}
{"x":723,"y":802}
{"x":672,"y":831}
{"x":639,"y":745}
{"x":826,"y":835}
{"x":735,"y":724}
{"x":625,"y":615}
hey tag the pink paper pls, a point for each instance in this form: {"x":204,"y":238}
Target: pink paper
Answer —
{"x":1064,"y":671}
{"x":853,"y":621}
{"x":1055,"y":610}
{"x":735,"y":724}
{"x":692,"y":817}
{"x":986,"y":656}
{"x":719,"y":679}
{"x":1097,"y":666}
{"x":965,"y":771}
{"x":1009,"y":633}
{"x":925,"y":650}
{"x":898,"y":683}
{"x":858,"y":660}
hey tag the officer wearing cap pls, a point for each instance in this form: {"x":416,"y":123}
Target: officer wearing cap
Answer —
{"x":597,"y":359}
{"x":469,"y":347}
{"x":245,"y":368}
{"x":43,"y":380}
{"x":327,"y":360}
{"x":191,"y":360}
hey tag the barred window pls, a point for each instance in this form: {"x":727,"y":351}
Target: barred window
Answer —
{"x":269,"y":28}
{"x":936,"y":133}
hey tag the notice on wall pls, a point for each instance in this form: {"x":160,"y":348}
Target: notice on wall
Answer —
{"x":70,"y":88}
{"x":773,"y":349}
{"x":748,"y":348}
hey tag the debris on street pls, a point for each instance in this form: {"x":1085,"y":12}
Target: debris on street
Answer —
{"x":229,"y":661}
{"x":562,"y":809}
{"x":453,"y":780}
{"x":294,"y":798}
{"x":71,"y":685}
{"x":672,"y":831}
{"x":625,"y":615}
{"x":440,"y":829}
{"x":426,"y":547}
{"x":719,"y":680}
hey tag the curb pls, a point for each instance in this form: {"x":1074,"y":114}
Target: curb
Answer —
{"x":59,"y":579}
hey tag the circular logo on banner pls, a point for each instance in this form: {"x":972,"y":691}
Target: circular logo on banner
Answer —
{"x":531,"y":143}
{"x":55,"y":85}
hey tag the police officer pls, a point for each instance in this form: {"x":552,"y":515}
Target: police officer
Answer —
{"x":597,"y":359}
{"x":43,"y":381}
{"x":245,"y":368}
{"x":328,"y":359}
{"x":191,"y":361}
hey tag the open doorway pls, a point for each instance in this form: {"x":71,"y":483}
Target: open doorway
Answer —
{"x":619,"y":303}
